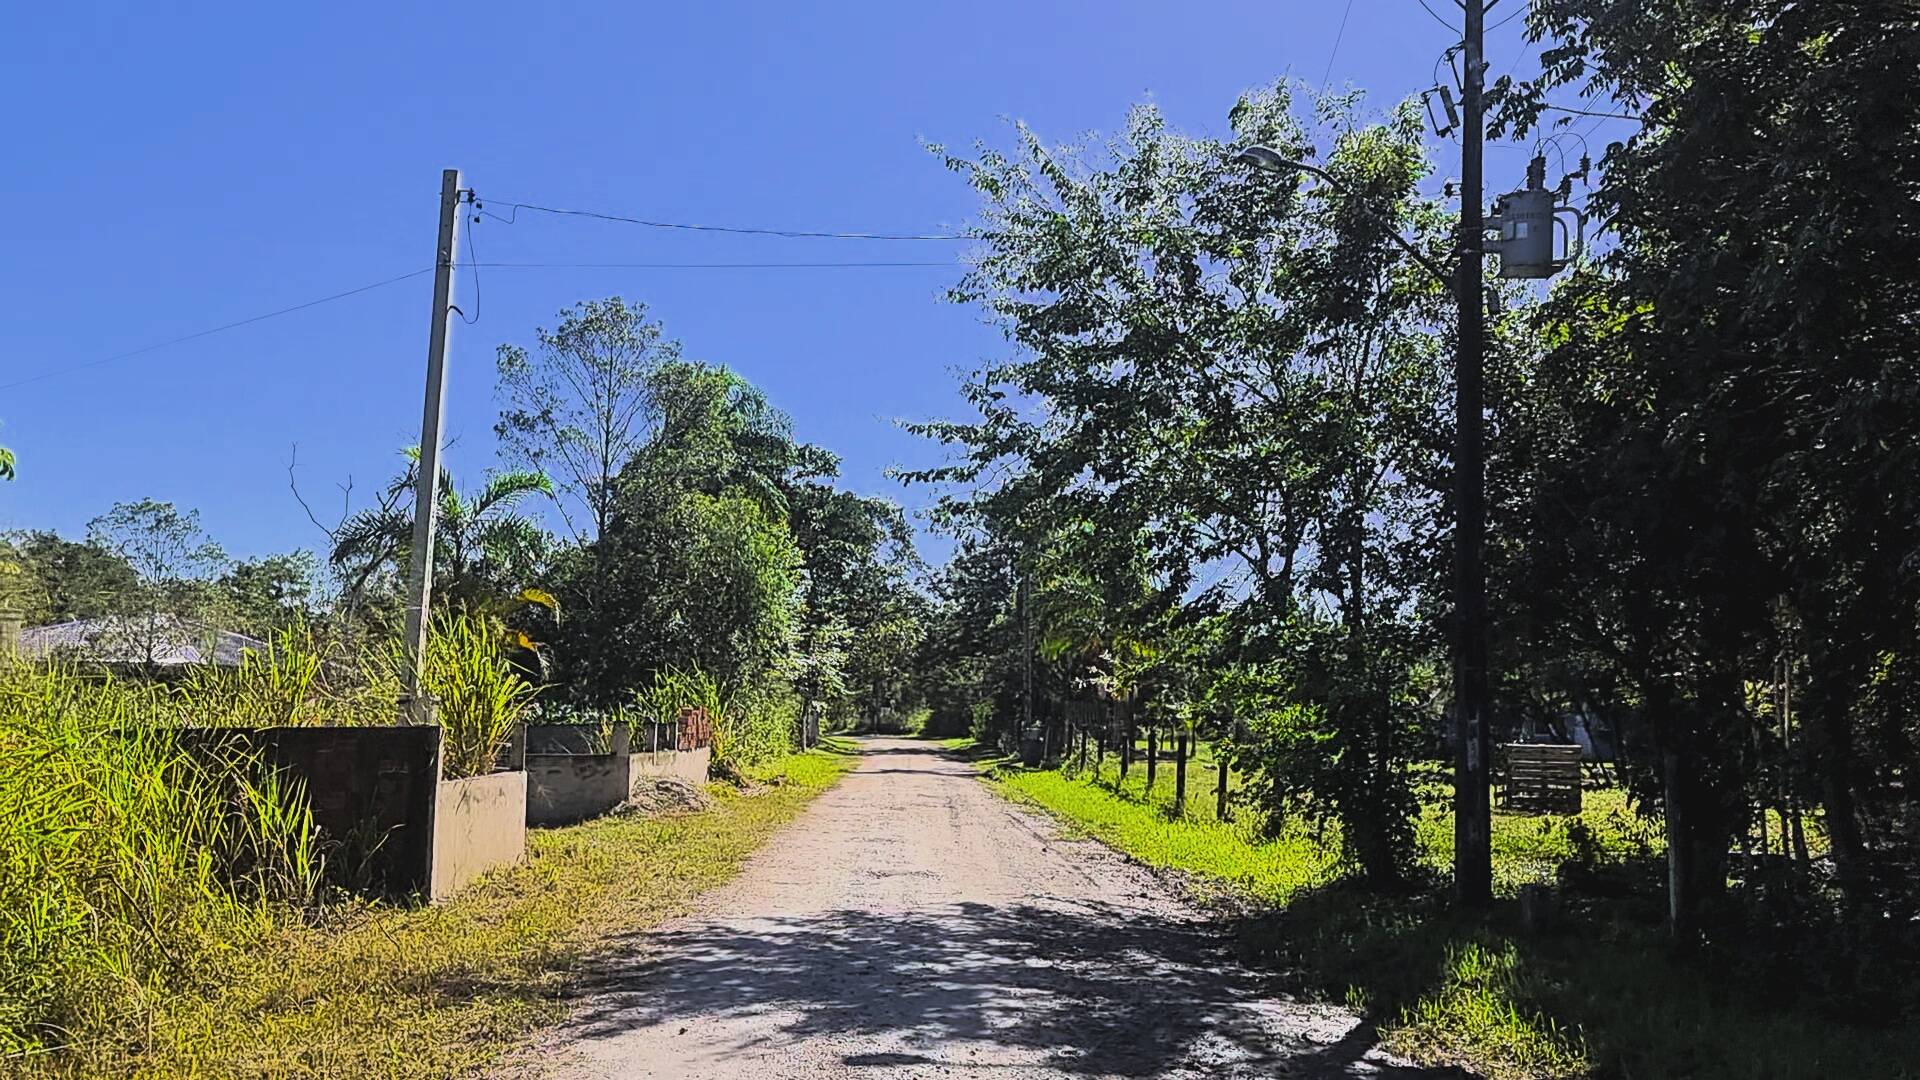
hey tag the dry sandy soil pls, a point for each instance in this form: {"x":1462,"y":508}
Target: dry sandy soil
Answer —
{"x":912,"y":924}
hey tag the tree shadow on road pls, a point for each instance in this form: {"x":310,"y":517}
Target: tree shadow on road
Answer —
{"x":1093,"y":988}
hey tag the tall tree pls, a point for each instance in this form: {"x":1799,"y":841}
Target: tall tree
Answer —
{"x":270,"y":593}
{"x":1715,"y":462}
{"x":1231,"y":385}
{"x":699,"y":565}
{"x":582,"y":403}
{"x":53,"y":579}
{"x":175,"y":563}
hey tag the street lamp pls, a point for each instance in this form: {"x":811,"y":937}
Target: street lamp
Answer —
{"x":1472,"y":803}
{"x":1269,"y":160}
{"x":1525,"y":220}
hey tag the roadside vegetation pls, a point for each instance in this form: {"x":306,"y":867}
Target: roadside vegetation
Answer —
{"x":1595,"y":994}
{"x":1207,"y":491}
{"x":166,"y":903}
{"x":382,"y":990}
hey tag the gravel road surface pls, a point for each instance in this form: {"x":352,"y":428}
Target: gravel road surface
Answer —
{"x":913,"y":924}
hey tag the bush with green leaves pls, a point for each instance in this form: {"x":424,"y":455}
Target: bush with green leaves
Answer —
{"x":750,"y":727}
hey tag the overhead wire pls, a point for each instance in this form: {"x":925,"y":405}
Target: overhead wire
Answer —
{"x":472,"y":220}
{"x":1590,"y":112}
{"x":710,"y":265}
{"x":738,"y":229}
{"x":1338,"y":35}
{"x":1436,"y":16}
{"x":129,"y":354}
{"x":480,"y":210}
{"x":1517,"y":12}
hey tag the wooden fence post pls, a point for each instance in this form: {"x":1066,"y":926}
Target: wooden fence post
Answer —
{"x":1180,"y":775}
{"x":1220,"y":792}
{"x":1153,"y":754}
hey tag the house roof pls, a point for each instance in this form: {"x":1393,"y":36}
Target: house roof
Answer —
{"x":159,"y":640}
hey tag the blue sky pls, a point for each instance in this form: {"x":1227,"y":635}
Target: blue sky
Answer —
{"x":175,"y":170}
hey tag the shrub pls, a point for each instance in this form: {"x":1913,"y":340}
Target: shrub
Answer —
{"x":750,"y":727}
{"x":129,"y":866}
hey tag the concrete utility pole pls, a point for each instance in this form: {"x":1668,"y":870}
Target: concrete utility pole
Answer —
{"x":426,"y":491}
{"x":1472,"y":818}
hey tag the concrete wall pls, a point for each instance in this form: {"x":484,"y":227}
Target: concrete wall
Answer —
{"x":371,"y":789}
{"x":564,"y":788}
{"x":479,"y":824}
{"x":581,"y":738}
{"x":562,"y":738}
{"x":688,"y":765}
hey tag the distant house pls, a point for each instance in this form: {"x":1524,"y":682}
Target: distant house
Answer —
{"x":167,"y":642}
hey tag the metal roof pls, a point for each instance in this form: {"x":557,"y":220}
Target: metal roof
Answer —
{"x":158,"y":640}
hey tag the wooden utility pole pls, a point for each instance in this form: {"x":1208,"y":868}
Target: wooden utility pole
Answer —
{"x":1472,"y":816}
{"x":426,"y":497}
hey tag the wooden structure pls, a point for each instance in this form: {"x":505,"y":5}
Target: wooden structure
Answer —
{"x":1540,"y":778}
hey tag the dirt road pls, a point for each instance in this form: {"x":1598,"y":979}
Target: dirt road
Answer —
{"x":912,"y":924}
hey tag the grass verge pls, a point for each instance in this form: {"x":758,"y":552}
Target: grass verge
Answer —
{"x":1597,"y":997}
{"x":442,"y":991}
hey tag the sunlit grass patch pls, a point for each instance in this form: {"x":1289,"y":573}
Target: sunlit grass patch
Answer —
{"x":1234,"y":854}
{"x":1599,"y":996}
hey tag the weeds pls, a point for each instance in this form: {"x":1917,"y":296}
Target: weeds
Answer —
{"x":750,"y":728}
{"x":450,"y":989}
{"x":129,"y":866}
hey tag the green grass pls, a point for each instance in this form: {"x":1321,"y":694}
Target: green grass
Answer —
{"x":1599,"y":997}
{"x":1220,"y":854}
{"x":129,"y":867}
{"x":447,"y":990}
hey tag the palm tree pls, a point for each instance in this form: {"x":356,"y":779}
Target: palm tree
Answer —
{"x":485,"y":549}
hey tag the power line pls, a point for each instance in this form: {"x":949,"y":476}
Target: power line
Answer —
{"x":1589,"y":112}
{"x":1436,"y":16}
{"x":740,"y":229}
{"x":215,"y":330}
{"x":473,"y":220}
{"x":706,"y":265}
{"x":1339,"y":34}
{"x":1516,"y":14}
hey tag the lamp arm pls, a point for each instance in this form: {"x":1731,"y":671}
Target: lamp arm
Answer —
{"x":1406,"y":245}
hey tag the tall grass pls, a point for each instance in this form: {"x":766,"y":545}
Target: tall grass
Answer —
{"x":129,"y":866}
{"x":482,"y":699}
{"x":750,"y":727}
{"x":141,"y":853}
{"x":301,"y":678}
